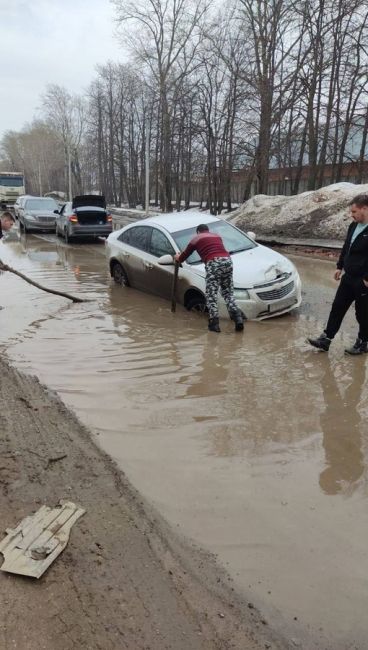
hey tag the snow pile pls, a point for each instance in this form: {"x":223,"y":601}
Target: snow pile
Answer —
{"x":322,"y":214}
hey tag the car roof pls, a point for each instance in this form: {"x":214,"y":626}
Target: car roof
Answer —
{"x":39,"y":198}
{"x":179,"y":220}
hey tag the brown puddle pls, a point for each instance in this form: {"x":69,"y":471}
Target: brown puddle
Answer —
{"x":252,"y":444}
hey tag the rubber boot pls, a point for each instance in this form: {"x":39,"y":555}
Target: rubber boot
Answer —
{"x":214,"y":325}
{"x":238,"y":318}
{"x":359,"y":347}
{"x":322,"y":343}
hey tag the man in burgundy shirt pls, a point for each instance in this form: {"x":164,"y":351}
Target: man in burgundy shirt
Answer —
{"x":219,"y":275}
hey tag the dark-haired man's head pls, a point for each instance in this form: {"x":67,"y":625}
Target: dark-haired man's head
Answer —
{"x":202,"y":228}
{"x":6,"y":221}
{"x":359,"y":208}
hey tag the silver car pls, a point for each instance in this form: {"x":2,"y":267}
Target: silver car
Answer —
{"x":37,"y":213}
{"x":140,"y":255}
{"x":84,"y":216}
{"x":19,"y":204}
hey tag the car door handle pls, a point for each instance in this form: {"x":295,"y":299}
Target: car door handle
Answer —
{"x":148,"y":265}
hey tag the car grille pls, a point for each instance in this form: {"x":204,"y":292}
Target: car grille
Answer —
{"x":276,"y":294}
{"x":46,"y":219}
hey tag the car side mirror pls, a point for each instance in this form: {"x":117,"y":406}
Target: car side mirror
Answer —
{"x":251,"y":235}
{"x":165,"y":260}
{"x":56,"y":212}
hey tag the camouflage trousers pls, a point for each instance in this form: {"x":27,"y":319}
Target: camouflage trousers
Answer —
{"x":219,"y":276}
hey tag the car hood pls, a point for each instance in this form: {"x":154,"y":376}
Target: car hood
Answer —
{"x":255,"y":266}
{"x":89,"y":200}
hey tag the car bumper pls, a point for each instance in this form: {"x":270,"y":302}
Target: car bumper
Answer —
{"x":90,"y":231}
{"x":39,"y":225}
{"x":256,"y":308}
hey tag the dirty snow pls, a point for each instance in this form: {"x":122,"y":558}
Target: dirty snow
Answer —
{"x":322,"y":213}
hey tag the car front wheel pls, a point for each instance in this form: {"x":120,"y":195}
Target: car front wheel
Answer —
{"x":119,"y":275}
{"x":197,"y":303}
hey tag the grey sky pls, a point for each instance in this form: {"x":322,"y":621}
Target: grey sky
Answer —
{"x":50,"y":41}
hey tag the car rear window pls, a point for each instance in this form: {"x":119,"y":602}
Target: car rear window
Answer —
{"x":234,"y":240}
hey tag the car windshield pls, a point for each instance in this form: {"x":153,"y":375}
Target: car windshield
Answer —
{"x":41,"y":204}
{"x":234,"y":240}
{"x":11,"y":181}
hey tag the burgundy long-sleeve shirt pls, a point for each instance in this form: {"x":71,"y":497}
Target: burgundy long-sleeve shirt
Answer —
{"x":208,"y":246}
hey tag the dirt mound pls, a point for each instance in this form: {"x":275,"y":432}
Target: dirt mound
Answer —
{"x":322,"y":214}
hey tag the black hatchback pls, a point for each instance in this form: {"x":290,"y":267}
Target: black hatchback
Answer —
{"x":85,"y":216}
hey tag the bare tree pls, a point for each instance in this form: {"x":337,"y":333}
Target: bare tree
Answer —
{"x":164,"y":36}
{"x":37,"y":152}
{"x":66,"y":114}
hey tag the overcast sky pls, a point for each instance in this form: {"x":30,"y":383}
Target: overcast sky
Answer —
{"x":50,"y":41}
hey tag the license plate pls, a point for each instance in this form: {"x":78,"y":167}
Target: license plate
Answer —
{"x":281,"y":304}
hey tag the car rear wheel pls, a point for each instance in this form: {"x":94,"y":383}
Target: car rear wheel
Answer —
{"x":119,"y":275}
{"x":197,"y":303}
{"x":67,"y":237}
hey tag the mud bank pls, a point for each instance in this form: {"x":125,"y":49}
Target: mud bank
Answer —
{"x":125,"y":580}
{"x":320,"y":214}
{"x":317,"y":253}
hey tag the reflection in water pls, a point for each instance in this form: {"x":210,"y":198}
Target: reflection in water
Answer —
{"x":341,"y":426}
{"x":212,"y":370}
{"x":252,"y":385}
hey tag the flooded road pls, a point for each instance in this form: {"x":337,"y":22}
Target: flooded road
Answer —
{"x":253,"y":445}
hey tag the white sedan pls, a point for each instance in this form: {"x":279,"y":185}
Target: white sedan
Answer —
{"x":140,"y":255}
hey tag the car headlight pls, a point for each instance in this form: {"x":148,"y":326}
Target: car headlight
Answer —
{"x":241,"y":294}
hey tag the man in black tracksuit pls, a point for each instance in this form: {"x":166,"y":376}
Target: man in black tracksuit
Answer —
{"x":352,"y":271}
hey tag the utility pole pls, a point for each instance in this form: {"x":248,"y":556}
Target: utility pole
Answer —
{"x":39,"y":178}
{"x":69,"y":174}
{"x":147,"y":188}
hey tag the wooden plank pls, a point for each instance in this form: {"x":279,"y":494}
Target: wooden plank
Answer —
{"x":31,"y":547}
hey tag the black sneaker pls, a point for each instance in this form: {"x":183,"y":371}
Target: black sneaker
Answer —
{"x":322,"y":343}
{"x":238,"y":318}
{"x":214,"y":325}
{"x":359,"y":347}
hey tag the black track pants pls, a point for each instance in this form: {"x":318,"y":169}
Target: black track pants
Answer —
{"x":350,"y":290}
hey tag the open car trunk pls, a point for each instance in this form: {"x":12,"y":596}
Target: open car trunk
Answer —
{"x":89,"y":201}
{"x":91,"y":217}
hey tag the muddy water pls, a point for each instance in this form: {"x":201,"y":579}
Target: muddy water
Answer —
{"x":253,"y":445}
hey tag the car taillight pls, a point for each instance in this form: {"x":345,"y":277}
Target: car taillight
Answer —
{"x":109,"y":217}
{"x":73,"y":218}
